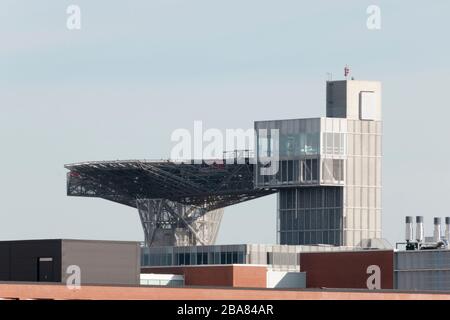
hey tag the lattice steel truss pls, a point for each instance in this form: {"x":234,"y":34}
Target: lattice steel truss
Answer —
{"x":177,"y":202}
{"x":171,"y":223}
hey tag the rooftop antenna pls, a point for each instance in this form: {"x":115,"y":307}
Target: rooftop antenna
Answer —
{"x":346,"y":71}
{"x":330,"y":76}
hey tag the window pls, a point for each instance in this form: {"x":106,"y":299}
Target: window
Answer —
{"x":290,"y":195}
{"x":307,"y":219}
{"x":216,"y":258}
{"x":301,"y":219}
{"x":290,"y":169}
{"x":301,"y":238}
{"x":309,"y":170}
{"x":290,"y":146}
{"x":229,"y":258}
{"x":181,"y":259}
{"x":283,"y":219}
{"x":240,"y":257}
{"x":338,"y":170}
{"x":296,"y":172}
{"x":295,"y":220}
{"x":311,"y":146}
{"x":202,"y":258}
{"x":282,"y":237}
{"x":325,"y":237}
{"x":235,"y":257}
{"x":307,"y":238}
{"x":223,"y":258}
{"x":284,"y":171}
{"x":327,"y":170}
{"x":295,"y":238}
{"x":329,"y":143}
{"x":314,"y":167}
{"x":313,"y":220}
{"x":319,"y":221}
{"x":333,"y":170}
{"x":313,"y":237}
{"x":306,"y":171}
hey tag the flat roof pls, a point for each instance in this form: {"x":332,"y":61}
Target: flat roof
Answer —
{"x":211,"y":185}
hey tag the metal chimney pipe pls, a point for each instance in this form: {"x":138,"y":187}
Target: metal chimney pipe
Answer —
{"x":409,"y":229}
{"x":437,"y":229}
{"x":419,"y":228}
{"x":447,"y":228}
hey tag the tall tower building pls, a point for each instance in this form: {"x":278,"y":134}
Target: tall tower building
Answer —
{"x":327,"y":170}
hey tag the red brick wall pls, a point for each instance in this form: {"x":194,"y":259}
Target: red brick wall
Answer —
{"x":249,"y":277}
{"x":346,"y":269}
{"x":47,"y":291}
{"x":220,"y":276}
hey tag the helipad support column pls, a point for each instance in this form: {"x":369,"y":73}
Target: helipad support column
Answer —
{"x":168,"y":223}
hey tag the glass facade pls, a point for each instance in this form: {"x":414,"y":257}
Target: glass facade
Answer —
{"x":321,"y":159}
{"x":310,"y":216}
{"x":195,"y":255}
{"x":298,"y":151}
{"x":276,"y":256}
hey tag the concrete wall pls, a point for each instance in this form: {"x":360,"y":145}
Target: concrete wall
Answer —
{"x":343,"y":98}
{"x":354,"y":88}
{"x":347,"y":269}
{"x":283,"y":279}
{"x":102,"y":262}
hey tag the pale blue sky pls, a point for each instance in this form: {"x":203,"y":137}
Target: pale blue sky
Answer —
{"x":137,"y":70}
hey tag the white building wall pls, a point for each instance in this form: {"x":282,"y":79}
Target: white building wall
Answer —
{"x":283,"y":279}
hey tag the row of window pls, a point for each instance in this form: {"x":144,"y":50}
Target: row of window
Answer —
{"x":311,"y":197}
{"x":290,"y":145}
{"x":301,"y":144}
{"x":192,"y":258}
{"x":305,"y":171}
{"x":214,"y":258}
{"x":311,"y":237}
{"x":333,"y":143}
{"x":298,"y":220}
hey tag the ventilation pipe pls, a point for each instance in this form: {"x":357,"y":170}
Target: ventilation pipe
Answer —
{"x":437,"y":229}
{"x":409,"y":229}
{"x":419,"y":229}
